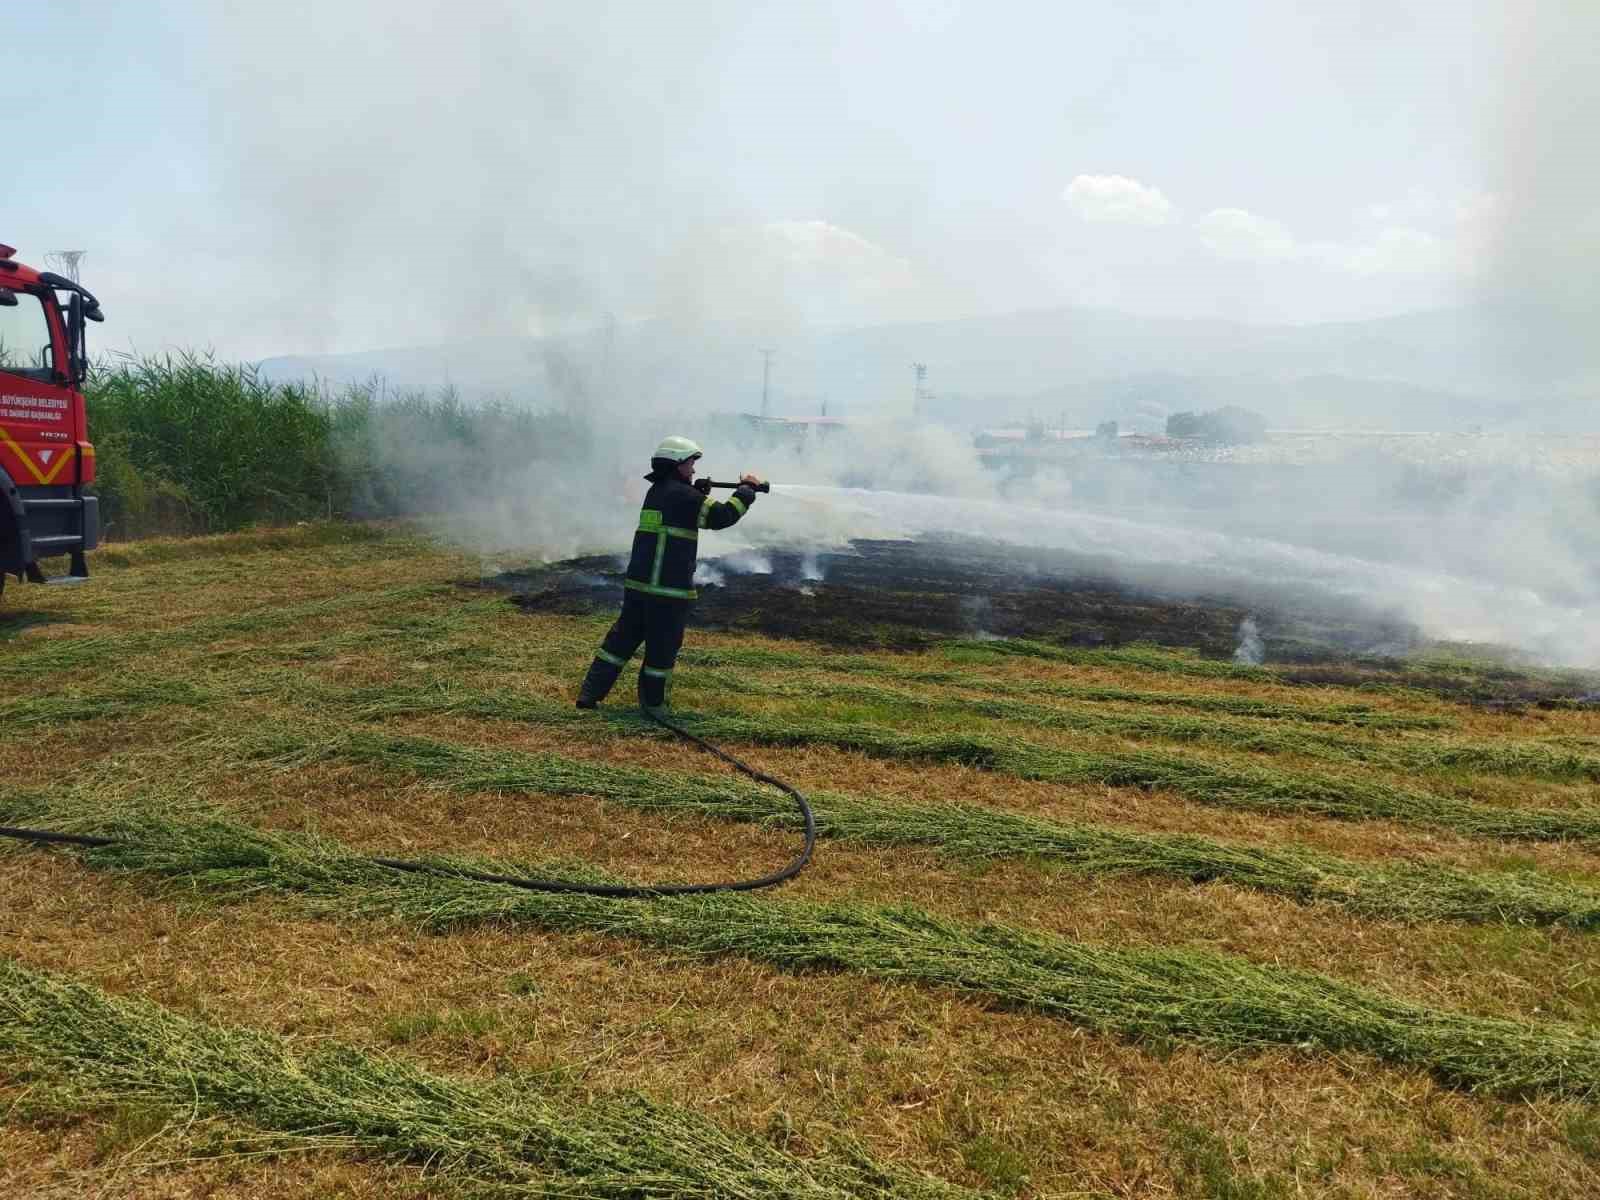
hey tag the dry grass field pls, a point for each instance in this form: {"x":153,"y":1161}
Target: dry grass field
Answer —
{"x":1100,"y":923}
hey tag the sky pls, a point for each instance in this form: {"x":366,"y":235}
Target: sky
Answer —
{"x":262,"y":179}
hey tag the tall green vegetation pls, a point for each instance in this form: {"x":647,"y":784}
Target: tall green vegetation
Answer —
{"x":187,"y":444}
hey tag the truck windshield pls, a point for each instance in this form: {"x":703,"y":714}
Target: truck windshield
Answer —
{"x":25,"y":347}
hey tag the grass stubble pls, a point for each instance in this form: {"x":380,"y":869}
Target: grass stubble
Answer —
{"x":1216,"y":1000}
{"x":505,"y":1132}
{"x":363,"y":622}
{"x":964,"y":832}
{"x":1247,"y":787}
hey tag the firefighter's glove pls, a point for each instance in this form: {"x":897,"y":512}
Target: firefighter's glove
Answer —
{"x":703,"y":486}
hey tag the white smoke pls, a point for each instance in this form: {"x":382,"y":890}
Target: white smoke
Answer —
{"x":706,"y":574}
{"x":1541,"y":282}
{"x":555,"y":187}
{"x":746,"y":562}
{"x":1551,"y":622}
{"x":1251,"y":651}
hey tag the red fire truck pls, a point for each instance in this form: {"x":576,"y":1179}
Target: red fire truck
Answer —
{"x":46,"y":460}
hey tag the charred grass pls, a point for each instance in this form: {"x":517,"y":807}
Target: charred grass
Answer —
{"x":326,"y":638}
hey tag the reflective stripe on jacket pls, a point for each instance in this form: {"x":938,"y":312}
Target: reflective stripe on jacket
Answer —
{"x":670,"y":522}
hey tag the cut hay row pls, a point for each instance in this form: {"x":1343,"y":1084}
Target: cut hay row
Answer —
{"x":967,"y":832}
{"x":962,"y":652}
{"x":1159,"y":660}
{"x":114,"y":1050}
{"x":789,"y":662}
{"x":1407,"y":755}
{"x":1360,"y":715}
{"x":1432,"y":675}
{"x":1206,"y":998}
{"x":125,"y":700}
{"x":1252,"y":789}
{"x":68,"y":653}
{"x":426,"y":636}
{"x":1150,"y":659}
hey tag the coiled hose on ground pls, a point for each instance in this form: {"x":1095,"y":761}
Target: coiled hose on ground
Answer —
{"x":617,"y":891}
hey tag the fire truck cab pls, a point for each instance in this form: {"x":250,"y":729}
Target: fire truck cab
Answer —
{"x":46,"y":459}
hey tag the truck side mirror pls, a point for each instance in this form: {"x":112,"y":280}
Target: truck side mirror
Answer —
{"x":8,"y":298}
{"x":77,"y":348}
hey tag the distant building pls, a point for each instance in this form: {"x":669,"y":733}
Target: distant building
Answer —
{"x":1023,"y":450}
{"x":991,"y":438}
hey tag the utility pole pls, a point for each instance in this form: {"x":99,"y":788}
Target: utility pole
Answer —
{"x":766,"y":379}
{"x":609,"y":383}
{"x":920,"y":374}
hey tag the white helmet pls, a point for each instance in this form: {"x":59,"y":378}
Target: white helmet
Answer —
{"x":677,"y":449}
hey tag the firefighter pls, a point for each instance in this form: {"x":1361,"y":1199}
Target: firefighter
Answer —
{"x":659,"y":587}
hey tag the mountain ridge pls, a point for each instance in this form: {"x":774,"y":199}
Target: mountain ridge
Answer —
{"x":1441,"y":368}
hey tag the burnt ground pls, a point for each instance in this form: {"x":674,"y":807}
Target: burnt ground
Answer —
{"x":904,"y":595}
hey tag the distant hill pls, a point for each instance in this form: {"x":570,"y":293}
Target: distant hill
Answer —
{"x":1450,"y":369}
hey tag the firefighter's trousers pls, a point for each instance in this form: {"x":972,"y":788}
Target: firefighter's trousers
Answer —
{"x":653,"y":620}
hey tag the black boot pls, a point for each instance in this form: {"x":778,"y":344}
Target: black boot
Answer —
{"x":655,"y":690}
{"x":597,"y":683}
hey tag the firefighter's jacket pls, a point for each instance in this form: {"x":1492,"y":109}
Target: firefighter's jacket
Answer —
{"x":670,"y":522}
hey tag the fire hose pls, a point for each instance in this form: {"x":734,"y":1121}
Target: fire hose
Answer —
{"x":618,"y":891}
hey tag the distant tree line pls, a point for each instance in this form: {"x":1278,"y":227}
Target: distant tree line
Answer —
{"x":1229,"y":425}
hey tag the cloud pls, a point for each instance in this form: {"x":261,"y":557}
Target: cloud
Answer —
{"x":1236,"y":234}
{"x":818,"y":243}
{"x":1389,"y":250}
{"x":1117,"y":199}
{"x":1398,"y":250}
{"x":795,"y":272}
